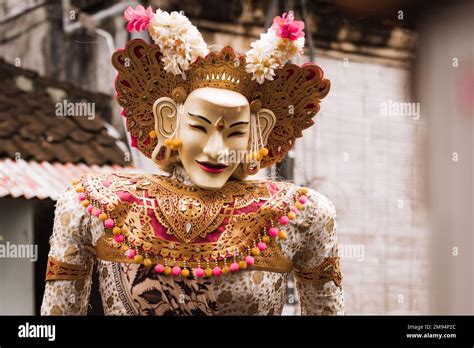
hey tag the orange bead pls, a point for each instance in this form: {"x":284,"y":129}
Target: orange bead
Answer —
{"x":152,"y":134}
{"x":291,"y":215}
{"x":266,"y":239}
{"x":242,"y":264}
{"x":168,"y":142}
{"x":304,"y":190}
{"x":85,"y":203}
{"x":225,"y":269}
{"x":116,"y":230}
{"x":282,"y":234}
{"x":185,"y":272}
{"x":79,"y":189}
{"x":263,"y":151}
{"x":138,"y":259}
{"x":103,"y":217}
{"x":167,"y":270}
{"x":75,"y":181}
{"x":208,"y":272}
{"x":255,"y":251}
{"x":299,"y":206}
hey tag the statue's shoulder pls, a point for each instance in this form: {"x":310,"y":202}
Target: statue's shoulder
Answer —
{"x":114,"y":181}
{"x":317,"y":208}
{"x":95,"y":178}
{"x":106,"y":187}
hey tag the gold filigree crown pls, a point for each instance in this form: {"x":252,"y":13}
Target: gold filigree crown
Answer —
{"x":221,"y":70}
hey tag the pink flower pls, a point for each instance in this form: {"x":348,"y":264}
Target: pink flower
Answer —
{"x":287,"y":28}
{"x":139,"y":18}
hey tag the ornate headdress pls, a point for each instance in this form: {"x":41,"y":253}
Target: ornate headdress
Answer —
{"x":180,"y":62}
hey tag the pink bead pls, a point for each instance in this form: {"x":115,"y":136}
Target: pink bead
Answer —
{"x":295,"y":210}
{"x":199,"y":272}
{"x":303,"y":199}
{"x":250,"y":260}
{"x":262,"y":246}
{"x":124,"y":196}
{"x":106,"y":183}
{"x":234,"y":267}
{"x":109,"y":223}
{"x":81,"y":196}
{"x":159,"y":268}
{"x":273,"y":232}
{"x":130,"y":253}
{"x":176,"y":271}
{"x":118,"y":238}
{"x":89,"y":208}
{"x":284,"y":220}
{"x":217,"y":271}
{"x":96,"y":212}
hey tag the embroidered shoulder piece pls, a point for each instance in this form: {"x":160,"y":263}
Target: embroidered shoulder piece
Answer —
{"x":328,"y":270}
{"x":58,"y":270}
{"x":161,"y":222}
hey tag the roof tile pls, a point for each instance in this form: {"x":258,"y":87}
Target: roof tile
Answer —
{"x":30,"y":127}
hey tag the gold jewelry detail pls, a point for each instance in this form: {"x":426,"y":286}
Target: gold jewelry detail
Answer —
{"x":179,"y":95}
{"x":328,"y":270}
{"x":174,"y":144}
{"x":255,"y":106}
{"x":58,"y":270}
{"x":205,"y":211}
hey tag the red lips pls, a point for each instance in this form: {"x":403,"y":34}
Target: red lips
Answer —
{"x":212,"y":167}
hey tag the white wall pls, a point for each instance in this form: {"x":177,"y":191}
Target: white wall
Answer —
{"x":371,"y":166}
{"x":16,"y":274}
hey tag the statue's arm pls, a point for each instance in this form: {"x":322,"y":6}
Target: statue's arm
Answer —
{"x":70,"y":263}
{"x":317,"y":273}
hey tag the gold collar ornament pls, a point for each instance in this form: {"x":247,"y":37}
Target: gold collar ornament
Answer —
{"x":178,"y":229}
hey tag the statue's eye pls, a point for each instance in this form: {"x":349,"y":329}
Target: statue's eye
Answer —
{"x":201,"y":128}
{"x":236,"y":134}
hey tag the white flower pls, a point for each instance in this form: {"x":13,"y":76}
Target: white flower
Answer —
{"x":261,"y":64}
{"x":179,"y":41}
{"x":269,"y":53}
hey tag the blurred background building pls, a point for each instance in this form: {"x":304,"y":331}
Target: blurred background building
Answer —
{"x":392,"y":145}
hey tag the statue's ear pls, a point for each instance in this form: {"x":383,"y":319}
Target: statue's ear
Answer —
{"x":267,"y":121}
{"x":165,"y":111}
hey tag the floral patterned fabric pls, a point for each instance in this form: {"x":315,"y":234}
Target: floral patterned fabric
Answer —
{"x":132,"y":289}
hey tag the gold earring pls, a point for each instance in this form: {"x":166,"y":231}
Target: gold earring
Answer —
{"x":174,"y":143}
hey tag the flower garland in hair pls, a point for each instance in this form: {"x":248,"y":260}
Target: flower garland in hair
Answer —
{"x":180,"y":42}
{"x":283,"y":40}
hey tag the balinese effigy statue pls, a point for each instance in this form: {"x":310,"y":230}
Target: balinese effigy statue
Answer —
{"x":205,"y":239}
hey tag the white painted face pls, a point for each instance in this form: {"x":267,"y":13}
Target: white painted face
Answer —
{"x":213,"y":122}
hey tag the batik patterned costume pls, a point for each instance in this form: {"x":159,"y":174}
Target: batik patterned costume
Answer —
{"x":79,"y":239}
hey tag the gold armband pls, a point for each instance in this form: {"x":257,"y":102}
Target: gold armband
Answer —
{"x":328,"y":270}
{"x":58,"y":270}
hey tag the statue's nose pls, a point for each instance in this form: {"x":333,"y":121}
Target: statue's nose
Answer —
{"x":214,"y":146}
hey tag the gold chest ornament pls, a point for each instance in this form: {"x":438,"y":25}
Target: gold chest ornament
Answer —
{"x":178,"y":229}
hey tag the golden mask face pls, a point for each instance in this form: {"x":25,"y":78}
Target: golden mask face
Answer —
{"x":213,"y":122}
